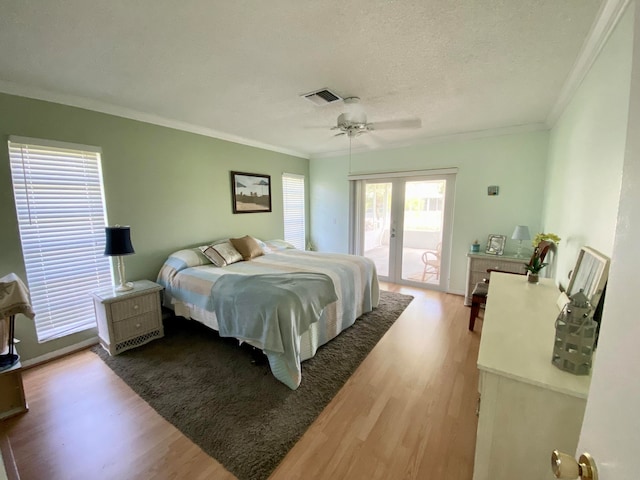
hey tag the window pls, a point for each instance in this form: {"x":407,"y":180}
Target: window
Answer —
{"x":294,"y":208}
{"x":61,"y":215}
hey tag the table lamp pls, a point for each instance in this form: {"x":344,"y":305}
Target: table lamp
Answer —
{"x":118,"y":243}
{"x":520,"y":233}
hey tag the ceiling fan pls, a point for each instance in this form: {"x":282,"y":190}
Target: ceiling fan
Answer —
{"x":353,"y":122}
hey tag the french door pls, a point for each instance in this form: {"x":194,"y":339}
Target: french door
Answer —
{"x":404,"y":225}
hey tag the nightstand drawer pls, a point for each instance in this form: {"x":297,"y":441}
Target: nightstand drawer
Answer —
{"x":134,"y":306}
{"x":135,"y":326}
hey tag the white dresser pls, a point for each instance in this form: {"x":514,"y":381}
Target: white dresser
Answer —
{"x":528,"y":407}
{"x":479,"y":263}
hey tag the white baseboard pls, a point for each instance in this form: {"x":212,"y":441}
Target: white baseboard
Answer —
{"x":457,"y":292}
{"x":59,"y":353}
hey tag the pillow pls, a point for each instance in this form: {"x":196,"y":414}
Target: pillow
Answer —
{"x":275,"y":245}
{"x":221,"y":254}
{"x":189,"y":257}
{"x":247,"y":246}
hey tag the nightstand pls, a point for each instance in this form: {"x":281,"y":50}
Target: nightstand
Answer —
{"x":12,"y":399}
{"x":128,"y":319}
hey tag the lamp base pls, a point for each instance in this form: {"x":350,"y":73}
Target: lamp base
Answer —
{"x":8,"y":360}
{"x":519,"y":249}
{"x":124,"y":287}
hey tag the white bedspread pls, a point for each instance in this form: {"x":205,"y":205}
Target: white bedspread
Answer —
{"x":189,"y":280}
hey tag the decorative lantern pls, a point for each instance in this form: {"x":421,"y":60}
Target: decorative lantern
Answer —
{"x":575,"y":336}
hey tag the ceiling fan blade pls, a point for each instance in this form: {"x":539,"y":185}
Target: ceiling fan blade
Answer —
{"x":396,"y":124}
{"x":339,"y":134}
{"x":369,"y":140}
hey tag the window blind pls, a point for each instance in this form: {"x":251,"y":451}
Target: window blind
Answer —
{"x":294,"y":209}
{"x":59,"y":201}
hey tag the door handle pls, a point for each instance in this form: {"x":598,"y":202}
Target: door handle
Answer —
{"x":565,"y":466}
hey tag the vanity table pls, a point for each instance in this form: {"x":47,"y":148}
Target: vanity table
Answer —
{"x":528,"y":407}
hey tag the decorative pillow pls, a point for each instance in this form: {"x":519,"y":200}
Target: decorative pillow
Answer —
{"x":213,"y":255}
{"x":221,"y":254}
{"x":247,"y":246}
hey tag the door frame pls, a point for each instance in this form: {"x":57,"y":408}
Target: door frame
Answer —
{"x":356,"y":220}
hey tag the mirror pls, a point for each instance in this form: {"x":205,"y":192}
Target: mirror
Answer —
{"x":589,"y":275}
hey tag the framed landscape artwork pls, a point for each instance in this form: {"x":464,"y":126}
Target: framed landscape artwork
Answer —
{"x":251,"y":192}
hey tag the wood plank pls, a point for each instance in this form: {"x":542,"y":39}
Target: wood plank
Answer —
{"x":407,"y":412}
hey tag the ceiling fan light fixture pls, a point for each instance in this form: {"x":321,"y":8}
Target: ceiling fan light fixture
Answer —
{"x":353,"y":121}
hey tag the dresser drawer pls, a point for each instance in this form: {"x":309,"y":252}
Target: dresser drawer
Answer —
{"x":135,"y":326}
{"x":134,"y":306}
{"x":477,"y":277}
{"x":482,"y":265}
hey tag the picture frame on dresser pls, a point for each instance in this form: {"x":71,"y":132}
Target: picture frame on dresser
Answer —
{"x":590,"y":275}
{"x":495,"y":244}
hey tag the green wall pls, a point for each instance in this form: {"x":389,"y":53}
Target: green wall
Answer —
{"x":586,"y":155}
{"x":516,"y":163}
{"x":171,"y":186}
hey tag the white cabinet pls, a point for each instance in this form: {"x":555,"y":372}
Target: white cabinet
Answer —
{"x":479,"y":263}
{"x":128,"y":319}
{"x":528,"y":407}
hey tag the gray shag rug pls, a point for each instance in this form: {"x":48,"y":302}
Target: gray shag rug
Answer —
{"x":224,"y":397}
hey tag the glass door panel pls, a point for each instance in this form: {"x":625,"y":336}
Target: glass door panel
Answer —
{"x":377,"y":225}
{"x":423,"y":226}
{"x":404,"y":226}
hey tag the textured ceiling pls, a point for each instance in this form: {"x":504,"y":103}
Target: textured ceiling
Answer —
{"x":238,"y":67}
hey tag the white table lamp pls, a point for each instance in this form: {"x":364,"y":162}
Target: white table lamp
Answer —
{"x":520,"y":233}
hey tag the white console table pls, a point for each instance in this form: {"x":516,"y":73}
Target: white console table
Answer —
{"x":528,"y":407}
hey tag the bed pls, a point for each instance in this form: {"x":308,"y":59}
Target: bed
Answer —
{"x":286,"y":302}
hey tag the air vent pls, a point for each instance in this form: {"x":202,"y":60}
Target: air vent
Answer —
{"x":322,"y":97}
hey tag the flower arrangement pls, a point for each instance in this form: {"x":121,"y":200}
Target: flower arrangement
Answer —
{"x":544,"y":236}
{"x":536,"y":264}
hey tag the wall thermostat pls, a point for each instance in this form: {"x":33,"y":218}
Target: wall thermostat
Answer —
{"x":493,"y":190}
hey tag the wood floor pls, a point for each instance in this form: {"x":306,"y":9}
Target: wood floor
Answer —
{"x":407,"y":412}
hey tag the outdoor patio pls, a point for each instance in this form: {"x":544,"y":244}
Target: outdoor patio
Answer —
{"x":412,"y":265}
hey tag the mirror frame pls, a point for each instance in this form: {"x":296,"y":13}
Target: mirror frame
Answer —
{"x":590,"y":274}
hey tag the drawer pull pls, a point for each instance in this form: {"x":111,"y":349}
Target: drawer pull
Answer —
{"x":136,"y":307}
{"x":137,"y":325}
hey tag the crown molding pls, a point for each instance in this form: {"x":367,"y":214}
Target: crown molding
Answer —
{"x":607,"y":19}
{"x":118,"y":111}
{"x":454,"y":137}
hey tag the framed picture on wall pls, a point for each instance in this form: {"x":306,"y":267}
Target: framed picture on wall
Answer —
{"x":251,"y":192}
{"x":495,"y":244}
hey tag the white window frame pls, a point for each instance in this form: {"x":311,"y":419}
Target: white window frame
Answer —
{"x":294,"y":209}
{"x":59,"y":199}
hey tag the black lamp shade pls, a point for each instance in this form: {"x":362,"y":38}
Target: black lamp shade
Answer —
{"x":118,"y":241}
